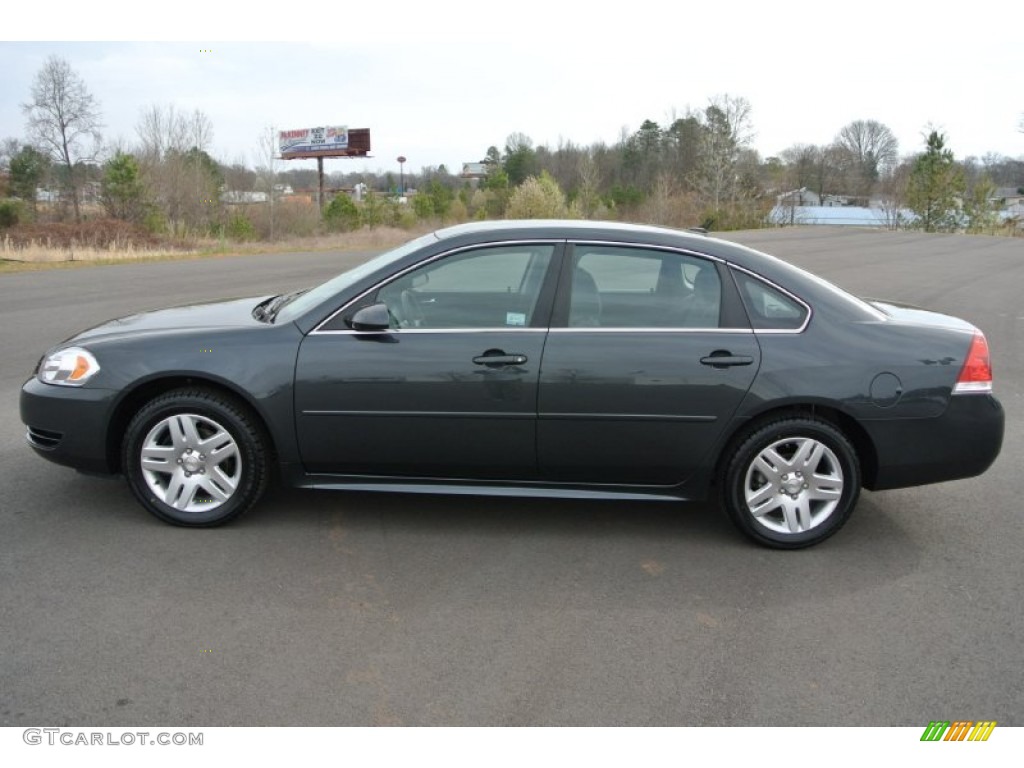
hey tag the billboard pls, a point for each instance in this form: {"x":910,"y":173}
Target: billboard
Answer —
{"x":324,"y":139}
{"x":474,"y":170}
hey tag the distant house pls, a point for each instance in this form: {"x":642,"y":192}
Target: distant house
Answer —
{"x":836,"y":201}
{"x":89,"y":192}
{"x":242,"y":197}
{"x":1014,"y":213}
{"x":798,"y":197}
{"x":1007,"y":197}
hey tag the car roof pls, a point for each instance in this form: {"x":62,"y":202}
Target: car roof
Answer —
{"x":567,"y":227}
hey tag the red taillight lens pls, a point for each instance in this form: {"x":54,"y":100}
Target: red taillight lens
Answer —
{"x":976,"y":375}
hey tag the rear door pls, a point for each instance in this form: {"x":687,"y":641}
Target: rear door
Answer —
{"x":450,"y":390}
{"x":648,"y":357}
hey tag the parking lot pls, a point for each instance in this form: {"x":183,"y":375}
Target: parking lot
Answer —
{"x":328,"y":609}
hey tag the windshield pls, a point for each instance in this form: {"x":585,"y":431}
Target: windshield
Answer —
{"x":335,"y":285}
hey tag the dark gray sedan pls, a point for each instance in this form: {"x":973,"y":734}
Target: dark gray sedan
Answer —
{"x":553,"y":358}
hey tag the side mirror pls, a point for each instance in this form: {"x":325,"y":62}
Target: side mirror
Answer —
{"x":372,"y":318}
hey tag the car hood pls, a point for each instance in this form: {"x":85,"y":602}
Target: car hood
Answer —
{"x":217,"y":314}
{"x":908,"y":313}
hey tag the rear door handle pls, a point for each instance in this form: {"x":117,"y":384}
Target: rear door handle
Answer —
{"x":723,"y":359}
{"x":498,"y":360}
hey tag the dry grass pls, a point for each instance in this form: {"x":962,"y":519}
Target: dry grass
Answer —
{"x":35,"y":254}
{"x":41,"y":252}
{"x":374,"y":239}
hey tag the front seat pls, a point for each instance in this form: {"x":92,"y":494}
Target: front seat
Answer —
{"x":585,"y":301}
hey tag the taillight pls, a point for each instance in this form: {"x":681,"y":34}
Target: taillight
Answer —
{"x":976,"y":375}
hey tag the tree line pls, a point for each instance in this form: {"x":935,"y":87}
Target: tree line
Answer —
{"x":696,"y":168}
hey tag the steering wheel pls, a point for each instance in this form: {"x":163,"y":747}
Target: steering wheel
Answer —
{"x":412,"y":309}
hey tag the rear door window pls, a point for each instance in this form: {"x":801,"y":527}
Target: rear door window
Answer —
{"x":625,"y":287}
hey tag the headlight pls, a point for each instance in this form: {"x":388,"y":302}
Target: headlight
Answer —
{"x":70,"y":367}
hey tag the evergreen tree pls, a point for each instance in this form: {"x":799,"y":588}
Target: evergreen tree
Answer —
{"x":341,"y":214}
{"x":124,"y":195}
{"x":520,"y":159}
{"x":28,"y":169}
{"x":936,"y":187}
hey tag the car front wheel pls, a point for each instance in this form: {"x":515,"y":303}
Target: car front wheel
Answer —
{"x":791,"y":483}
{"x":195,"y":457}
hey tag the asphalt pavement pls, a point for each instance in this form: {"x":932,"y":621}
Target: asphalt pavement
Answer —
{"x":321,"y":608}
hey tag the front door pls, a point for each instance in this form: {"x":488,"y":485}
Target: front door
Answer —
{"x":450,"y":390}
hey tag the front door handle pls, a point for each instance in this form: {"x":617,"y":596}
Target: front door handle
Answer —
{"x":496,"y":358}
{"x":722,"y":358}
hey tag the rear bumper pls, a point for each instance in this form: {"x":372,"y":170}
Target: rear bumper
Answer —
{"x":962,"y":442}
{"x":68,"y":425}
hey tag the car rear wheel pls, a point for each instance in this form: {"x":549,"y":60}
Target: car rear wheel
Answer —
{"x":195,"y":457}
{"x":791,"y":483}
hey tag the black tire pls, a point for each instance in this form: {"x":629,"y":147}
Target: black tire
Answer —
{"x":177,"y":430}
{"x":801,"y":493}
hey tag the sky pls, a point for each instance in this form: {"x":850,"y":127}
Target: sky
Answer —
{"x":439,"y":82}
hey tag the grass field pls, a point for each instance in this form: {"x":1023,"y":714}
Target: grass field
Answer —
{"x":38,"y":254}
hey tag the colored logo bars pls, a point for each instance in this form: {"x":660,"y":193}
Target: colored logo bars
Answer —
{"x":959,"y":730}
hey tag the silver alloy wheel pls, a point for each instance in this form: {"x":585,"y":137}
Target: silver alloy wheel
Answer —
{"x":793,"y":485}
{"x":190,"y":462}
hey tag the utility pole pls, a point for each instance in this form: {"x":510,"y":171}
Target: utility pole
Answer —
{"x":320,"y":176}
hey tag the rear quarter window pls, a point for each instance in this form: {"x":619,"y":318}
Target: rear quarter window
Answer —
{"x":769,"y":308}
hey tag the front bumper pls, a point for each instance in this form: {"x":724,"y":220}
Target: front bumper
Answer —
{"x":963,"y":442}
{"x":68,"y":425}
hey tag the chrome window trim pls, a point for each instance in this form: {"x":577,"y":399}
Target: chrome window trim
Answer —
{"x":626,"y":329}
{"x":780,"y":289}
{"x":403,"y":331}
{"x":431,"y":260}
{"x":513,"y":329}
{"x":652,"y":247}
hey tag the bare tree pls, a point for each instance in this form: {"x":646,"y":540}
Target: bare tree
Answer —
{"x":200,"y":130}
{"x":873,"y":151}
{"x":588,"y":199}
{"x":657,"y":208}
{"x":161,"y":130}
{"x":175,"y":164}
{"x":238,"y":177}
{"x":727,"y":129}
{"x":894,"y":196}
{"x":61,"y":114}
{"x":802,"y":166}
{"x":200,"y":136}
{"x":267,"y":165}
